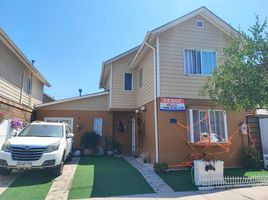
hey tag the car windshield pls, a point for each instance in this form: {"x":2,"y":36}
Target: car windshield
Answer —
{"x":41,"y":130}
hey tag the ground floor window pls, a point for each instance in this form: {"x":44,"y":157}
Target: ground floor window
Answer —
{"x":98,"y":126}
{"x":207,"y":126}
{"x":68,"y":120}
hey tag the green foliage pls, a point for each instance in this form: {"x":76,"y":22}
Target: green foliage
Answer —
{"x":241,"y":80}
{"x":252,"y":158}
{"x":160,"y":167}
{"x":90,"y":140}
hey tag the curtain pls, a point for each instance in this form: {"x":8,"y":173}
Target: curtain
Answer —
{"x":208,"y":62}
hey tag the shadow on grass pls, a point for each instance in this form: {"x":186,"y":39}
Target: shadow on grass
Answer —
{"x":29,"y":185}
{"x":107,"y":176}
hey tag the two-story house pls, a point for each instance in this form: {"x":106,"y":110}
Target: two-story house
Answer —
{"x":21,"y":84}
{"x":151,"y":103}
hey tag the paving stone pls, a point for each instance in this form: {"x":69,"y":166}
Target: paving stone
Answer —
{"x":62,"y":184}
{"x":147,"y":171}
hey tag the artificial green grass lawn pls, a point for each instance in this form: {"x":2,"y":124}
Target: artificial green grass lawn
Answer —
{"x":106,"y":176}
{"x":182,"y":181}
{"x":31,"y":185}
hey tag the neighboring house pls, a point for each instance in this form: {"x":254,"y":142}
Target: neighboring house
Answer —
{"x":142,"y":86}
{"x":47,"y":98}
{"x":21,"y":84}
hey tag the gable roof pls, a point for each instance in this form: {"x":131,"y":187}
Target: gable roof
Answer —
{"x":12,"y":47}
{"x":203,"y":11}
{"x":71,"y":99}
{"x":151,"y":35}
{"x":107,"y":62}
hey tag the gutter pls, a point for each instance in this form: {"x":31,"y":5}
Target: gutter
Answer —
{"x":155,"y":98}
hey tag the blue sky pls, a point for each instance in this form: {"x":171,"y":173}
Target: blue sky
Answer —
{"x":69,"y":39}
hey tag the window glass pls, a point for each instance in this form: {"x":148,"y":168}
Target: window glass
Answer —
{"x":208,"y":126}
{"x":128,"y":81}
{"x":208,"y":62}
{"x":98,"y":125}
{"x":28,"y":86}
{"x":199,"y":62}
{"x":140,"y":78}
{"x":41,"y":131}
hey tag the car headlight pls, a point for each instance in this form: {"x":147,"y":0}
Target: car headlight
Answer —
{"x":52,"y":147}
{"x":6,"y":147}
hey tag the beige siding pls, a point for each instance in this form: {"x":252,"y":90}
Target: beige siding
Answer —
{"x":98,"y":103}
{"x":173,"y":82}
{"x":120,"y":97}
{"x":146,"y":92}
{"x":11,"y":75}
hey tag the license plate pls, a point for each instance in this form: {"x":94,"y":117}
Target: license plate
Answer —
{"x":24,"y":165}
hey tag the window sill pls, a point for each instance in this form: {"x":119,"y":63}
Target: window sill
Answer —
{"x":209,"y":143}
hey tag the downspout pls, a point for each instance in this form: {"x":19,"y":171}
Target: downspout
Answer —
{"x":155,"y":103}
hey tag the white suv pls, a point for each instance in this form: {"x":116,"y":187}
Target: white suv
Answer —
{"x":40,"y":145}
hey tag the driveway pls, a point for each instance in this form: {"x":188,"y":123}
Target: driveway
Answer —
{"x":253,"y":193}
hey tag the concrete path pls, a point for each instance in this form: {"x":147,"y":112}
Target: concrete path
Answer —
{"x":62,"y":184}
{"x":147,"y":171}
{"x":6,"y":181}
{"x":254,"y":193}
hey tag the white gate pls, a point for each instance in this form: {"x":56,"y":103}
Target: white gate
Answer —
{"x":4,"y":131}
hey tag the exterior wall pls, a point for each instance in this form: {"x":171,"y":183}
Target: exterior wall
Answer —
{"x":11,"y":78}
{"x":84,"y":119}
{"x":10,"y":110}
{"x":147,"y":145}
{"x":98,"y":103}
{"x":145,"y":94}
{"x":173,"y":81}
{"x":120,"y":98}
{"x":173,"y":139}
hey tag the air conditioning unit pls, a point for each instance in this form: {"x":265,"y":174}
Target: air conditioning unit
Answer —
{"x":208,"y":171}
{"x":265,"y":160}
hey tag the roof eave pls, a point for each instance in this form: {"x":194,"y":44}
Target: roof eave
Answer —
{"x":12,"y":46}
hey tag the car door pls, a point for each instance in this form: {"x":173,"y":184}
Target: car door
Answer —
{"x":69,"y":140}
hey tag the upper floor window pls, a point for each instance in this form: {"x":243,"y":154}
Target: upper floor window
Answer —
{"x":29,"y":86}
{"x":199,"y":24}
{"x":207,"y":126}
{"x":128,"y":81}
{"x":140,"y":78}
{"x":199,"y":62}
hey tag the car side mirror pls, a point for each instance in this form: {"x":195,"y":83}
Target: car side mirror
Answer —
{"x":70,"y":135}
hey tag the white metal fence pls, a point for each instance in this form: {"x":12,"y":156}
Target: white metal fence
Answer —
{"x":234,"y":181}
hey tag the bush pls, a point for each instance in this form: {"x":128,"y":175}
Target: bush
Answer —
{"x":160,"y":167}
{"x":90,"y":140}
{"x":252,"y":158}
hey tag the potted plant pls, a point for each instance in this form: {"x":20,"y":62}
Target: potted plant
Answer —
{"x":110,"y":146}
{"x":116,"y":147}
{"x":89,"y":142}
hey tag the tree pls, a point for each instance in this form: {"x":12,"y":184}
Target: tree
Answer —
{"x":241,"y":81}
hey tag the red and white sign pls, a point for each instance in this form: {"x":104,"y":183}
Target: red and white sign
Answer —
{"x":172,"y":104}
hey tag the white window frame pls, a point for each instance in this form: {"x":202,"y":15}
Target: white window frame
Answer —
{"x":201,"y":50}
{"x":124,"y":81}
{"x":58,"y":119}
{"x":191,"y":127}
{"x":141,"y":78}
{"x":95,"y":126}
{"x":199,"y":20}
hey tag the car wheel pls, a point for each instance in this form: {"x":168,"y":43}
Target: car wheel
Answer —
{"x":5,"y":171}
{"x":57,"y":171}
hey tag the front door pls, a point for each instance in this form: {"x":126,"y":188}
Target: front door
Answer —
{"x":133,"y":132}
{"x":122,"y":132}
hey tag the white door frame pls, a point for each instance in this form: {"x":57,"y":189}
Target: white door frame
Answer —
{"x":133,"y":134}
